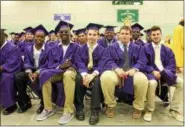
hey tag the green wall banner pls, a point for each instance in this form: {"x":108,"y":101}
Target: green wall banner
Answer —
{"x":128,"y":14}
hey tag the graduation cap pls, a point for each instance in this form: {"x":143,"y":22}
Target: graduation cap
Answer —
{"x":17,"y":34}
{"x":63,"y":24}
{"x":51,"y":32}
{"x":74,"y":31}
{"x":137,"y":27}
{"x":147,"y":31}
{"x":101,"y":35}
{"x":40,"y":28}
{"x":28,"y":29}
{"x":79,"y":31}
{"x":93,"y":26}
{"x":22,"y":33}
{"x":12,"y":33}
{"x":109,"y":28}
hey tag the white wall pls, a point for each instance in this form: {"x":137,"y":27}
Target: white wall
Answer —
{"x":16,"y":15}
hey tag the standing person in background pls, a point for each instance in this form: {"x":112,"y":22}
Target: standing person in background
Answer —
{"x":178,"y":45}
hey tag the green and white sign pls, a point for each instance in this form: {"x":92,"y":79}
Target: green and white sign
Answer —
{"x":129,"y":14}
{"x":127,"y":2}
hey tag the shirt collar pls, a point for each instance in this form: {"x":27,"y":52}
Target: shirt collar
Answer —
{"x":94,"y":46}
{"x":4,"y":44}
{"x":43,"y":47}
{"x":121,"y":44}
{"x":154,"y":45}
{"x":60,"y":43}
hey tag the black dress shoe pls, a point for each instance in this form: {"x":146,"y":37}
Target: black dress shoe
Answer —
{"x":10,"y":110}
{"x":80,"y":115}
{"x":40,"y":109}
{"x":94,"y":118}
{"x":24,"y":108}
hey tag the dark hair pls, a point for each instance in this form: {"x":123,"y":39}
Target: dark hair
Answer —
{"x":155,"y":28}
{"x":126,"y":28}
{"x":181,"y":23}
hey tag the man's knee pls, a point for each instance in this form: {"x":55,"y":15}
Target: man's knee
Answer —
{"x":152,"y":83}
{"x":70,"y":74}
{"x":140,"y":80}
{"x":108,"y":76}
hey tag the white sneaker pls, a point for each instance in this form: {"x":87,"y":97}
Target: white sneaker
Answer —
{"x":44,"y":115}
{"x":147,"y":116}
{"x":176,"y":115}
{"x":65,"y":118}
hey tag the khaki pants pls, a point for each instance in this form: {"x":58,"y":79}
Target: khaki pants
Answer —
{"x":176,"y":99}
{"x":68,"y":78}
{"x":109,"y":80}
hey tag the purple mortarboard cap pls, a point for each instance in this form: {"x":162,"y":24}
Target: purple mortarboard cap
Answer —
{"x":101,"y":35}
{"x":28,"y":29}
{"x":40,"y":28}
{"x":93,"y":26}
{"x":63,"y":24}
{"x":52,"y":32}
{"x":12,"y":33}
{"x":79,"y":31}
{"x":109,"y":28}
{"x":137,"y":27}
{"x":147,"y":31}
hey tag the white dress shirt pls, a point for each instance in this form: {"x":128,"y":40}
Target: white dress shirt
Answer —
{"x":36,"y":56}
{"x":64,"y":47}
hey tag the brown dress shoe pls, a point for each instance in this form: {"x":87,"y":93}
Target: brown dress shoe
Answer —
{"x":136,"y":114}
{"x":110,"y":112}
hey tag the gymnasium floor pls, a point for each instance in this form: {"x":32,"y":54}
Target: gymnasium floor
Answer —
{"x":123,"y":117}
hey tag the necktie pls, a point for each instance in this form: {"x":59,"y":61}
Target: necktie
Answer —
{"x":90,"y":64}
{"x":126,"y":65}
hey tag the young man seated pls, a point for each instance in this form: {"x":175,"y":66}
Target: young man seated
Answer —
{"x":161,"y":68}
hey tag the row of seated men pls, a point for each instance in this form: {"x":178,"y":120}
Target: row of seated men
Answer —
{"x":61,"y":73}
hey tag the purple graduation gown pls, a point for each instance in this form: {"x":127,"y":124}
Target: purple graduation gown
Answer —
{"x":83,"y":58}
{"x":55,"y":58}
{"x":103,"y":42}
{"x":10,"y":61}
{"x":114,"y":59}
{"x":168,"y":75}
{"x":22,"y":46}
{"x":140,"y":42}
